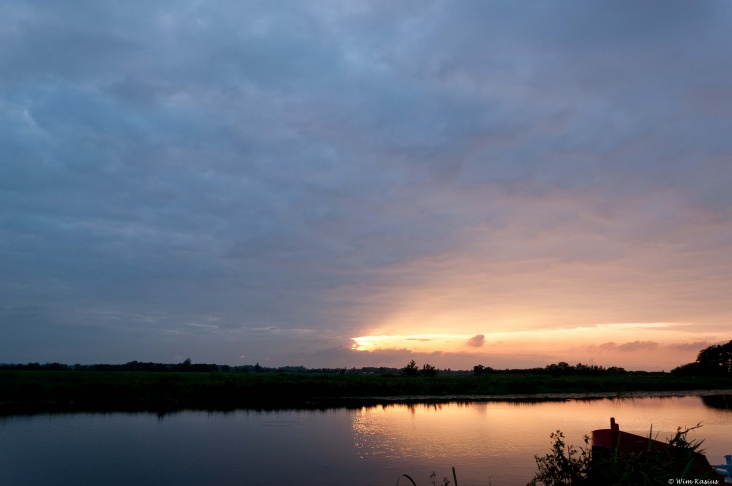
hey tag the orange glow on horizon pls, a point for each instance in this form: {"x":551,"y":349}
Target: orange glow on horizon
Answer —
{"x":634,"y":345}
{"x":418,"y":342}
{"x":587,"y":334}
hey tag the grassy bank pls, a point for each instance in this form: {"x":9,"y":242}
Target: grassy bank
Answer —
{"x":44,"y":390}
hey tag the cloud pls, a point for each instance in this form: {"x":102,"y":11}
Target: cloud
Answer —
{"x":693,"y":346}
{"x":476,"y":341}
{"x":628,"y":347}
{"x":637,"y":346}
{"x":326,"y":166}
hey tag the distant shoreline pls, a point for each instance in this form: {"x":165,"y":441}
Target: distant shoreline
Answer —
{"x":29,"y":392}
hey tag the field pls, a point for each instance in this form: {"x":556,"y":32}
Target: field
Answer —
{"x":30,"y":391}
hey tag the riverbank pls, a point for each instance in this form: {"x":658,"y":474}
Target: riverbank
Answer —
{"x":34,"y":391}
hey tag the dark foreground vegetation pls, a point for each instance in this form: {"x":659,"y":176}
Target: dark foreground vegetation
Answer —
{"x":714,"y":360}
{"x":677,"y":462}
{"x":26,"y":391}
{"x":157,"y":386}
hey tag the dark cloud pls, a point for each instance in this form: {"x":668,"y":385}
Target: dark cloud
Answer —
{"x":279,"y":165}
{"x":476,"y":341}
{"x":692,"y":346}
{"x":637,"y":346}
{"x":629,"y":347}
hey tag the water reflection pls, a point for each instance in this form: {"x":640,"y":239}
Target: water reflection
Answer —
{"x":499,"y":439}
{"x":487,"y":439}
{"x":718,"y":402}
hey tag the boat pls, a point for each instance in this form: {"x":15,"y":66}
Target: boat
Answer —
{"x":725,"y":469}
{"x":607,"y":440}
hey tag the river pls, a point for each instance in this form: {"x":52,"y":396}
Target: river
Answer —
{"x":488,"y":442}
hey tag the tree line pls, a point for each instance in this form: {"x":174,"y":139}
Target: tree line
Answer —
{"x":715,"y":360}
{"x":188,"y":366}
{"x":556,"y":369}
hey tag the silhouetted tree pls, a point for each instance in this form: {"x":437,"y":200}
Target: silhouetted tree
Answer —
{"x":616,"y":370}
{"x":479,"y":370}
{"x":561,"y":368}
{"x":411,"y":369}
{"x":715,"y":360}
{"x":428,"y":370}
{"x":718,"y":357}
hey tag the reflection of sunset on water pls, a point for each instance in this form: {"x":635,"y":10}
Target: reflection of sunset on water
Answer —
{"x":483,"y":439}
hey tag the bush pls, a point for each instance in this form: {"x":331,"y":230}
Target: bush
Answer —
{"x":411,"y":369}
{"x":428,"y":370}
{"x":563,"y":465}
{"x":567,"y":465}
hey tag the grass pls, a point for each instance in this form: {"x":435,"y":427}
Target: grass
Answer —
{"x":433,"y":479}
{"x":29,"y":390}
{"x":656,"y":465}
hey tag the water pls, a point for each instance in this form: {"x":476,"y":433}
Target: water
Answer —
{"x":485,"y":441}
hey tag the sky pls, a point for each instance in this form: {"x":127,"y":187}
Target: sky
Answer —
{"x":348,"y":184}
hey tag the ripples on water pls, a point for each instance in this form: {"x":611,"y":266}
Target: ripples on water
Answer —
{"x":494,"y":440}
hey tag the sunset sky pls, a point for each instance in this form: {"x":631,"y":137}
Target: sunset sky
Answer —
{"x":345,"y":183}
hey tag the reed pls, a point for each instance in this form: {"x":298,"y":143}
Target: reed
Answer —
{"x":433,"y":479}
{"x":21,"y":390}
{"x":568,"y":465}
